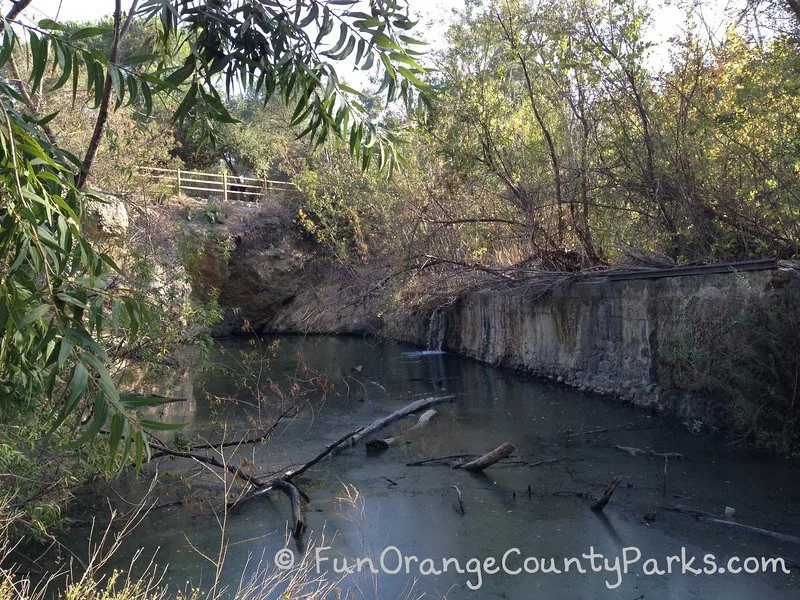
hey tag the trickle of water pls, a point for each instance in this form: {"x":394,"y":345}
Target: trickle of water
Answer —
{"x":436,"y":330}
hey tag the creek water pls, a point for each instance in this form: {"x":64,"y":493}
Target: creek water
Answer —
{"x":527,"y":506}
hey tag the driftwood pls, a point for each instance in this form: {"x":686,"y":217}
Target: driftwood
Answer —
{"x":474,"y":461}
{"x":487,"y":460}
{"x":424,"y":419}
{"x":601,"y":503}
{"x":383,"y":422}
{"x":460,"y":509}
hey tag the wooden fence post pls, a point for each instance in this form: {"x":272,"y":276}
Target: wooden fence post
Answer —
{"x":225,"y":186}
{"x":179,"y":181}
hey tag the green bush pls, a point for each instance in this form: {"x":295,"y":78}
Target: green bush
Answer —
{"x":748,"y":358}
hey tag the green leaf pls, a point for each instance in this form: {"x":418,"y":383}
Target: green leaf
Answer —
{"x":80,"y":378}
{"x":51,"y":25}
{"x":65,"y":349}
{"x":106,"y":384}
{"x":34,"y":315}
{"x":115,"y":435}
{"x":131,"y":401}
{"x":140,"y":446}
{"x":99,"y":418}
{"x":159,"y":426}
{"x":87,"y":32}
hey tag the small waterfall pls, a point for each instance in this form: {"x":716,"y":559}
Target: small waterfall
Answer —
{"x":436,"y":330}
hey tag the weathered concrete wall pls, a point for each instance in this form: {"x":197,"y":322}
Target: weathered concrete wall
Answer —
{"x":603,"y":336}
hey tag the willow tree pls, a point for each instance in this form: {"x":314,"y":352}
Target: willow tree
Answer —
{"x":66,"y":311}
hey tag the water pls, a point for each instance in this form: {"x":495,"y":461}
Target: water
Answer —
{"x":436,"y":330}
{"x":414,"y":509}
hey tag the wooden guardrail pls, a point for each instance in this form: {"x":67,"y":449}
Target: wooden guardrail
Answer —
{"x":230,"y":187}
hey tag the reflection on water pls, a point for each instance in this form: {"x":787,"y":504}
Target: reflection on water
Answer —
{"x":527,"y":507}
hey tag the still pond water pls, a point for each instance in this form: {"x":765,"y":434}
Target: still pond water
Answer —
{"x":527,"y":506}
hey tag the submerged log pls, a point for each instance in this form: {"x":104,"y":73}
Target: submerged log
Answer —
{"x":487,"y":460}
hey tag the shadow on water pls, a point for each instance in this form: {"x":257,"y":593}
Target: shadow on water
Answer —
{"x":528,"y":506}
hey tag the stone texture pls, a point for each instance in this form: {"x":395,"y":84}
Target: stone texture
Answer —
{"x":602,"y":336}
{"x":107,"y":216}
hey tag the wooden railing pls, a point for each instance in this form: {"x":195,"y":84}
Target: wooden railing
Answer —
{"x":229,"y":187}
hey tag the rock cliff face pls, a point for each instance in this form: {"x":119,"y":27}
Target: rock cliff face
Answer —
{"x":277,"y":280}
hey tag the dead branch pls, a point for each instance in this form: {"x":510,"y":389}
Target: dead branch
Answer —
{"x":330,"y":448}
{"x":601,"y":503}
{"x":209,"y":460}
{"x":298,"y":519}
{"x":708,"y":517}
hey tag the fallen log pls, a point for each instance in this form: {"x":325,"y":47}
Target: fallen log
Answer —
{"x":601,"y":503}
{"x":408,"y":409}
{"x":487,"y":460}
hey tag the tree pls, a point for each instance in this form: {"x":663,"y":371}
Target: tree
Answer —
{"x":65,"y":308}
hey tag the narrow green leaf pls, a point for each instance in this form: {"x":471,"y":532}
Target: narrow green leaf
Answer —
{"x":115,"y":435}
{"x":159,"y":426}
